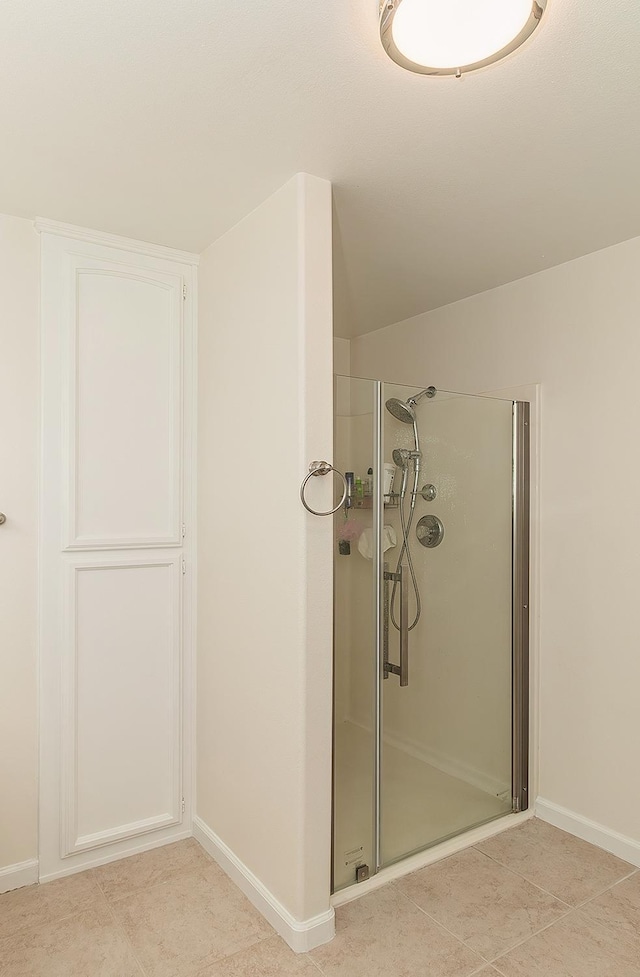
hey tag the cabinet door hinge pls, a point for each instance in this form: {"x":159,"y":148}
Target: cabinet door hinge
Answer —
{"x":184,"y":530}
{"x":184,"y":566}
{"x":183,"y":805}
{"x":184,"y":291}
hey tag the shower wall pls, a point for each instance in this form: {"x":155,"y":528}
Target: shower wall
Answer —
{"x":461,"y":717}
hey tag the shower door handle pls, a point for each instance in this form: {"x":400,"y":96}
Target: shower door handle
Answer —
{"x":401,"y":670}
{"x":385,"y":625}
{"x":404,"y":629}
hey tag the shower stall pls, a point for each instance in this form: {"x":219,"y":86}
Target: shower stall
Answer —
{"x":431,"y":619}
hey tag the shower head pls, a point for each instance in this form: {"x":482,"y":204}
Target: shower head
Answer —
{"x":402,"y":411}
{"x":401,"y":457}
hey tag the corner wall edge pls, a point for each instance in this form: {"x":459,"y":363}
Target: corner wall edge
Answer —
{"x":301,"y":935}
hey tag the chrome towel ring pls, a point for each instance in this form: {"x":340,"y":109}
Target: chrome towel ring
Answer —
{"x":322,"y":468}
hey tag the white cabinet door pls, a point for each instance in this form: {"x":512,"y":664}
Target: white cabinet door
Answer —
{"x":117,"y":371}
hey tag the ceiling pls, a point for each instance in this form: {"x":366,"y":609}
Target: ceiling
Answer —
{"x":169,"y":120}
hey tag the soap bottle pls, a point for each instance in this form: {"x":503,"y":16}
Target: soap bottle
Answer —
{"x":368,"y":483}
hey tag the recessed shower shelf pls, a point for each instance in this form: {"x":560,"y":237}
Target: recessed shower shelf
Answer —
{"x":390,"y":502}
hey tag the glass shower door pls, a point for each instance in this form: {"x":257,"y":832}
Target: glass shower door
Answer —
{"x":446,"y":724}
{"x":429,"y":667}
{"x":355,"y":575}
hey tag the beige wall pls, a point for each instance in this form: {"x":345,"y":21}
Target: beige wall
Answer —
{"x":18,"y":540}
{"x":265,"y":590}
{"x":574,"y":329}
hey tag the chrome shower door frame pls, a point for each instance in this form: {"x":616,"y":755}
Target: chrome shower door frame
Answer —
{"x":520,"y":603}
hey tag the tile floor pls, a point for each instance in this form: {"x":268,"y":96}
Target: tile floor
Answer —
{"x":530,"y":902}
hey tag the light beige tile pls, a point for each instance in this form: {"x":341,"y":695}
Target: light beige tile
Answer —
{"x":573,"y":947}
{"x":270,"y":958}
{"x":182,"y":926}
{"x":86,"y":945}
{"x":128,"y":875}
{"x":386,"y":935}
{"x":568,"y":867}
{"x":481,"y":902}
{"x":619,"y":910}
{"x":36,"y":905}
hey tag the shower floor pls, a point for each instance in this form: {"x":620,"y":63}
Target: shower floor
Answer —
{"x":420,"y":804}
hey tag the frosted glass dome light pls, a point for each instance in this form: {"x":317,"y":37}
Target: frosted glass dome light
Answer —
{"x":447,"y":37}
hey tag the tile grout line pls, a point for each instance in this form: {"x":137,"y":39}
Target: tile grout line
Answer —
{"x":572,"y":909}
{"x":530,"y":937}
{"x":120,"y":928}
{"x":447,"y":930}
{"x":552,"y":894}
{"x":603,"y":892}
{"x":489,"y":960}
{"x":309,"y":955}
{"x":519,"y":875}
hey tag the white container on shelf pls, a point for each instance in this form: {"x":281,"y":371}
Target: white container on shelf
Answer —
{"x":389,"y":473}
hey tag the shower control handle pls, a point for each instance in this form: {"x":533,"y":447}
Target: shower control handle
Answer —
{"x":401,"y":670}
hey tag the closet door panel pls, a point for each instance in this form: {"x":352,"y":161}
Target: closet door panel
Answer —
{"x":124,"y":407}
{"x":122,"y":689}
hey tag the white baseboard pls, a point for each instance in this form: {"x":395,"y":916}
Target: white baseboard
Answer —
{"x":300,"y":935}
{"x":103,"y":857}
{"x":611,"y":841}
{"x":15,"y":876}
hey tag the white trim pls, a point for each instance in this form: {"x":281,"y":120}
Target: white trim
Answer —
{"x":300,"y":935}
{"x":18,"y":875}
{"x":43,"y":225}
{"x":428,"y":857}
{"x":105,"y":857}
{"x":596,"y":834}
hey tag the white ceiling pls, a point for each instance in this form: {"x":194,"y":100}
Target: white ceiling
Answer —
{"x":169,"y":120}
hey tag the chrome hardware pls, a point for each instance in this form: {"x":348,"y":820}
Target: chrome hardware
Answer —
{"x":3,"y":518}
{"x":385,"y":627}
{"x":362,"y":873}
{"x":401,"y":670}
{"x":428,"y":492}
{"x":430,"y":531}
{"x":322,"y":468}
{"x":404,"y":629}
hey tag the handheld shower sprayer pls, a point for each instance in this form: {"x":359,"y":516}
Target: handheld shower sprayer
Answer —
{"x":403,"y":458}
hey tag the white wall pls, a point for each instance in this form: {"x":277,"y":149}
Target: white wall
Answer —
{"x":573,"y":328}
{"x":265,"y":592}
{"x":18,"y":541}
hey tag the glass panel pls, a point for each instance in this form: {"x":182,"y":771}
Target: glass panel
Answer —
{"x":354,"y":634}
{"x":447,"y":735}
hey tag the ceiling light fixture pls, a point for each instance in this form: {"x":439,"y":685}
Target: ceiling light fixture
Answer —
{"x":447,"y":37}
